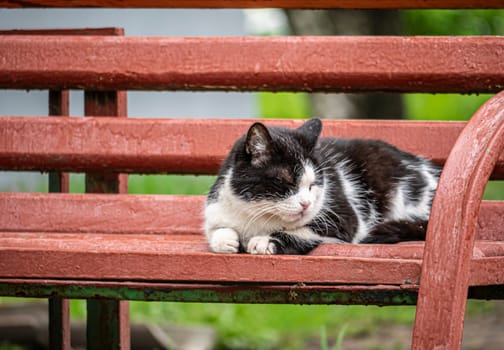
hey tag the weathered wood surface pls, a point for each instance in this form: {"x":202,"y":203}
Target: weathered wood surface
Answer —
{"x":338,"y":63}
{"x":149,"y":214}
{"x":193,"y":146}
{"x":447,"y":269}
{"x":301,"y":4}
{"x":155,"y":258}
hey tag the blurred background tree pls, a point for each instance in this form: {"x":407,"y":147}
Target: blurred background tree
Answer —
{"x":350,"y":22}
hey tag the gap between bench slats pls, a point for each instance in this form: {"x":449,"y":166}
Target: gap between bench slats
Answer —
{"x":300,"y":4}
{"x":115,"y":257}
{"x":151,"y":214}
{"x":335,"y":63}
{"x":192,"y":146}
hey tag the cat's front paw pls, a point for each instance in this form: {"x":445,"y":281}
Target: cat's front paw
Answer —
{"x":261,"y":245}
{"x":224,"y":241}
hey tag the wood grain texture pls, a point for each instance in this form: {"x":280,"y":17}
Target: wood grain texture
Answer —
{"x":338,"y":63}
{"x":186,"y":146}
{"x":301,"y":4}
{"x":447,"y":267}
{"x":156,"y":258}
{"x":148,"y":214}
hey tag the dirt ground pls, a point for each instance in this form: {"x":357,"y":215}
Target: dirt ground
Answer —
{"x":481,"y":332}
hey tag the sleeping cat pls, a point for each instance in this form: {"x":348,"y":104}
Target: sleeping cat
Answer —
{"x":285,"y":191}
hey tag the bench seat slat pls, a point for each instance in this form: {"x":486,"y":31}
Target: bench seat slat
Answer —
{"x":150,"y":214}
{"x":34,"y":258}
{"x":407,"y":64}
{"x":156,"y":258}
{"x":174,"y":244}
{"x":300,"y":4}
{"x":191,"y":146}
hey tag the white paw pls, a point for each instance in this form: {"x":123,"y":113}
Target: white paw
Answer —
{"x":225,"y":241}
{"x":261,"y":245}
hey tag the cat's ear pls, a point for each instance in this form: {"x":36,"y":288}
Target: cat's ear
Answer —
{"x":258,"y":144}
{"x":311,"y":130}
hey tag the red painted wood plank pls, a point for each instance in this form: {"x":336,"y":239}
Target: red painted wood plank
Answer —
{"x":301,"y":4}
{"x":34,"y":263}
{"x":177,"y":244}
{"x":144,"y":214}
{"x":194,"y":146}
{"x":106,"y":257}
{"x":446,"y":264}
{"x":85,"y":213}
{"x":454,"y":64}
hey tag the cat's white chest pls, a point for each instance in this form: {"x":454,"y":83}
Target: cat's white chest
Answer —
{"x":229,"y":211}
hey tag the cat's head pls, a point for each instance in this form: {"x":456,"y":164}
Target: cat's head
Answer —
{"x":275,"y":170}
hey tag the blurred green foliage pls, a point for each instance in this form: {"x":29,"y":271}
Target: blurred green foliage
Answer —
{"x":453,"y":22}
{"x":284,"y":105}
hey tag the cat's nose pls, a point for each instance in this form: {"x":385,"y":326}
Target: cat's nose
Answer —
{"x":305,"y":204}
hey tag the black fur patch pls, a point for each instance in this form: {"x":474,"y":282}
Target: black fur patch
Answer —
{"x":289,"y":244}
{"x":397,"y":231}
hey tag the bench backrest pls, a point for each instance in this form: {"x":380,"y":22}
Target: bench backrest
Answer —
{"x":180,"y":146}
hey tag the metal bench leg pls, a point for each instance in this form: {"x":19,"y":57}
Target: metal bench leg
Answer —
{"x":59,"y":324}
{"x":108,"y":324}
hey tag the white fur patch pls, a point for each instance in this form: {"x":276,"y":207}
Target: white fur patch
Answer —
{"x":261,"y":245}
{"x":224,"y":240}
{"x":402,"y":207}
{"x":356,"y":196}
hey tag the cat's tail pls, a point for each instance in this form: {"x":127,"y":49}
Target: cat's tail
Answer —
{"x":397,"y":231}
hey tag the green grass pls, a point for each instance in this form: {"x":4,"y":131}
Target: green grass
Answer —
{"x":284,"y":105}
{"x":442,"y":106}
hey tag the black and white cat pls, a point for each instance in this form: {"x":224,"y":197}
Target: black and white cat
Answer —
{"x":285,"y":191}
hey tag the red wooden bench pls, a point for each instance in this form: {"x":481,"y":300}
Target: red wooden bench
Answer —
{"x":112,"y":248}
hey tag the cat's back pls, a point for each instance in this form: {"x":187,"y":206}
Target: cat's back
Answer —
{"x":399,"y":184}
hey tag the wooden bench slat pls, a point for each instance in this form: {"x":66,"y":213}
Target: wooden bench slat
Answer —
{"x":150,"y":214}
{"x":407,"y":64}
{"x":193,"y":146}
{"x":301,"y":4}
{"x":116,"y":257}
{"x":35,"y":258}
{"x":101,"y":213}
{"x":175,"y":244}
